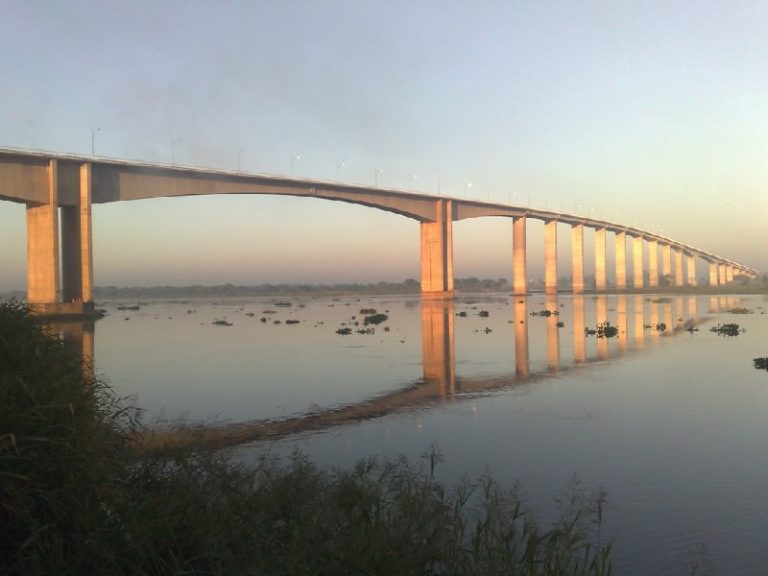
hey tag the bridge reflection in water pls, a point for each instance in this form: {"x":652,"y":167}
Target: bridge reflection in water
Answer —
{"x":641,"y":320}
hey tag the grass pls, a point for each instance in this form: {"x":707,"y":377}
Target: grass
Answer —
{"x":75,"y":499}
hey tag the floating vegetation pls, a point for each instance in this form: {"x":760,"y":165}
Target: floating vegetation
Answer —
{"x":546,"y":313}
{"x":664,"y":300}
{"x":740,"y":311}
{"x":761,"y":363}
{"x":366,"y":331}
{"x":729,"y":329}
{"x":690,"y":326}
{"x":221,"y":323}
{"x":263,"y":319}
{"x":344,"y":331}
{"x":284,"y":304}
{"x":603,"y":330}
{"x":277,"y":322}
{"x":560,"y":324}
{"x":269,"y":311}
{"x":375,"y":319}
{"x":660,"y":327}
{"x":367,"y":311}
{"x":251,"y":314}
{"x":462,"y":314}
{"x":484,"y":330}
{"x":292,"y":321}
{"x":483,"y":314}
{"x":129,"y":308}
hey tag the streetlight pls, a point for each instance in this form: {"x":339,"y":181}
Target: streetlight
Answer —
{"x":376,"y":176}
{"x":93,"y":140}
{"x":293,"y":159}
{"x":239,"y":151}
{"x":173,"y":150}
{"x":410,"y":183}
{"x":466,"y":189}
{"x":339,"y":166}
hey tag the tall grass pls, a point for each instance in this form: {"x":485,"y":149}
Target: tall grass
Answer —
{"x":76,"y":500}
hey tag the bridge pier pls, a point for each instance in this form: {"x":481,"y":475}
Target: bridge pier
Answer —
{"x":713,"y":281}
{"x":666,"y":264}
{"x":691,"y":269}
{"x":550,"y":256}
{"x":519,"y":264}
{"x":620,"y":259}
{"x":437,"y":253}
{"x":653,"y":264}
{"x":577,"y":257}
{"x":728,"y":273}
{"x":61,"y":284}
{"x":637,"y":262}
{"x":600,"y":276}
{"x":678,"y":267}
{"x":43,"y":245}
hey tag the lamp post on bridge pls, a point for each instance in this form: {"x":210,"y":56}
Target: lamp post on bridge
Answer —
{"x":293,"y":159}
{"x":410,"y":182}
{"x":467,"y":186}
{"x":93,"y":140}
{"x":376,"y":176}
{"x":339,"y":166}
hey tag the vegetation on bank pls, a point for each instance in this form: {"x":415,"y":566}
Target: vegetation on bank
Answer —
{"x":75,"y":499}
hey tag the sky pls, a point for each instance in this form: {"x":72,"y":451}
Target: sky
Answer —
{"x":651,"y":114}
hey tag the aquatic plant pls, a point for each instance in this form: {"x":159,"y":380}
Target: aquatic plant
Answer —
{"x":728,"y":329}
{"x":375,"y":319}
{"x":761,"y":363}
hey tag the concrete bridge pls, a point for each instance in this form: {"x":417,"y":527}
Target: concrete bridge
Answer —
{"x":60,"y":255}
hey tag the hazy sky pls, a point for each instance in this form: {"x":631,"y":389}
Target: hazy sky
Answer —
{"x":653,"y":114}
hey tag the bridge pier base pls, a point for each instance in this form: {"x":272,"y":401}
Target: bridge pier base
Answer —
{"x":61,"y":285}
{"x":437,"y":253}
{"x":519,"y":264}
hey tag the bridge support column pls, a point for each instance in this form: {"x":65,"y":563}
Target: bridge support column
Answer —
{"x":653,"y":264}
{"x":577,"y":257}
{"x":691,"y":269}
{"x":721,"y":274}
{"x":620,"y":258}
{"x":600,"y":276}
{"x":728,"y":273}
{"x":550,"y":256}
{"x":713,"y":280}
{"x":437,"y":253}
{"x":519,"y":266}
{"x":638,"y":281}
{"x":43,"y":246}
{"x":678,"y":267}
{"x":76,"y":244}
{"x":666,"y":264}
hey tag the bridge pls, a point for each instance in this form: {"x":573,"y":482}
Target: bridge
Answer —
{"x":60,"y":247}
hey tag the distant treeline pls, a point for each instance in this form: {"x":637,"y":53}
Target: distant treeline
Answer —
{"x":408,"y":286}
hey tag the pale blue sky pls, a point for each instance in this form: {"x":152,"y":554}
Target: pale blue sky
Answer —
{"x":650,"y":113}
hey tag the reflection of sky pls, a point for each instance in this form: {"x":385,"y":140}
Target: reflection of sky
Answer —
{"x":654,"y":117}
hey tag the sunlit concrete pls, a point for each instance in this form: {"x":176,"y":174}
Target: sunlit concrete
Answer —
{"x":713,"y":279}
{"x":550,"y":256}
{"x":437,"y":253}
{"x":653,"y":264}
{"x":666,"y":263}
{"x":691,"y":269}
{"x":637,"y":262}
{"x":519,"y":267}
{"x":601,"y":282}
{"x":577,"y":257}
{"x":620,"y":260}
{"x":43,"y":244}
{"x":678,"y":267}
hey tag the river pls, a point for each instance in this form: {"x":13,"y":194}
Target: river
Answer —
{"x":668,"y":417}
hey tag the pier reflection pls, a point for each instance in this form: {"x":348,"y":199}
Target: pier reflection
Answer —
{"x":539,"y":351}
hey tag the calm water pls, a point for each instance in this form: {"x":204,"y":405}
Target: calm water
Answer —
{"x":673,"y":424}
